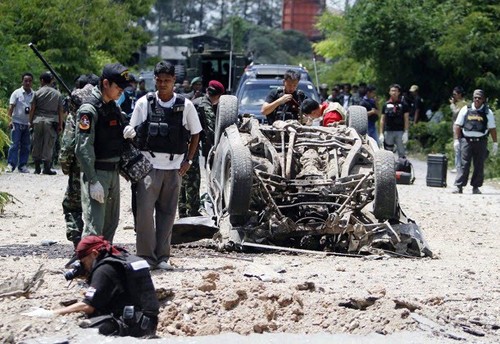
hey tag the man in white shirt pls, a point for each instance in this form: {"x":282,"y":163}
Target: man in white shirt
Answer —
{"x":474,"y":124}
{"x":19,"y":109}
{"x":166,"y":128}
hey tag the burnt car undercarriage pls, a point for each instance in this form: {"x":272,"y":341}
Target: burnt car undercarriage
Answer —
{"x":304,"y":187}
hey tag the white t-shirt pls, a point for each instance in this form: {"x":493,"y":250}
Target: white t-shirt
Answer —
{"x":461,"y":121}
{"x":190,"y":121}
{"x":21,"y":100}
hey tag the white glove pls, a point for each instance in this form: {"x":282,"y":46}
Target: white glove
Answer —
{"x":405,"y":137}
{"x":456,"y":144}
{"x":494,"y":150}
{"x":129,"y":132}
{"x":97,"y":192}
{"x":39,"y":313}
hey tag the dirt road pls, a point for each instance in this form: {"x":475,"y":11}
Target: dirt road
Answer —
{"x":453,"y":296}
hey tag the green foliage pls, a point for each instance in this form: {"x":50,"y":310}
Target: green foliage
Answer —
{"x":342,"y":66}
{"x":268,"y":45}
{"x":75,"y":37}
{"x":334,"y":46}
{"x":470,"y":42}
{"x":4,"y":129}
{"x":5,"y":198}
{"x":430,"y":137}
{"x":406,"y":41}
{"x":492,"y":165}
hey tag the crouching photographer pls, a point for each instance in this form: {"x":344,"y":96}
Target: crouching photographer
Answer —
{"x":120,"y":299}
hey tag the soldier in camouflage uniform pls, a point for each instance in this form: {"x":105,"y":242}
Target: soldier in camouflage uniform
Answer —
{"x":189,"y":196}
{"x":72,"y":202}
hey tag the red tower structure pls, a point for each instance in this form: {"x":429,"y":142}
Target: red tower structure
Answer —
{"x":301,"y":15}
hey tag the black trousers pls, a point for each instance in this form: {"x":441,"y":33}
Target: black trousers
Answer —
{"x":475,"y":152}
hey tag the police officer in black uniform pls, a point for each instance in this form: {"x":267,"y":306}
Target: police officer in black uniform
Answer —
{"x":284,"y":102}
{"x":473,"y":125}
{"x":121,"y":298}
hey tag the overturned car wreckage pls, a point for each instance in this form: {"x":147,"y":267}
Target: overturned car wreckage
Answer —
{"x":313,"y":188}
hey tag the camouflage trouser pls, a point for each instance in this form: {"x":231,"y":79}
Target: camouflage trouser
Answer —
{"x":57,"y":149}
{"x":72,"y":205}
{"x":189,"y":196}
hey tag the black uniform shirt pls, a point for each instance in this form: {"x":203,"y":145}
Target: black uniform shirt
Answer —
{"x":106,"y":292}
{"x":289,"y":110}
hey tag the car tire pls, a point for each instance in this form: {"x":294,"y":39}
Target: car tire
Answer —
{"x":358,"y":119}
{"x":385,"y":200}
{"x":227,"y":114}
{"x":237,"y":179}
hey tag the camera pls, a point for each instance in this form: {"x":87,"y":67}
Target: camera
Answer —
{"x":76,"y":271}
{"x":27,"y":110}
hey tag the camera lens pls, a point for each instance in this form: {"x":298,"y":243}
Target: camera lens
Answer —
{"x":69,"y":275}
{"x":75,"y":272}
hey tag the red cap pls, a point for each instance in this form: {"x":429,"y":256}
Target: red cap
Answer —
{"x":216,"y":85}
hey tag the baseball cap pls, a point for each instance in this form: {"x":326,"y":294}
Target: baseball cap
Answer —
{"x":413,"y":88}
{"x":117,"y":73}
{"x":217,"y":86}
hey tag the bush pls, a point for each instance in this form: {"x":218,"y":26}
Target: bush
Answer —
{"x":492,"y":166}
{"x":430,"y":137}
{"x":4,"y":129}
{"x":4,"y":143}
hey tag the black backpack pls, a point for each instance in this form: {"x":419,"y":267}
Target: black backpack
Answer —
{"x":404,"y":165}
{"x":404,"y":171}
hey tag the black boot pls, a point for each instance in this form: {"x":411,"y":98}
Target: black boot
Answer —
{"x":38,"y":169}
{"x":47,"y":170}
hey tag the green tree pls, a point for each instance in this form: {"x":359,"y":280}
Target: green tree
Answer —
{"x":76,"y":37}
{"x":267,"y":45}
{"x":435,"y":44}
{"x":341,"y":66}
{"x":395,"y":38}
{"x":470,"y":43}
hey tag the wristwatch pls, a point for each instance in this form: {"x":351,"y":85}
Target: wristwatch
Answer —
{"x":190,"y":162}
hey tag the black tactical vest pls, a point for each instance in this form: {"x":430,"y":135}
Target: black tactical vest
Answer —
{"x":289,"y":110}
{"x":394,"y":117}
{"x":476,"y":120}
{"x":108,"y":141}
{"x":163,"y":130}
{"x":139,"y":284}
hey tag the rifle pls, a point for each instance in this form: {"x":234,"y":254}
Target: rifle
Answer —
{"x":49,"y":67}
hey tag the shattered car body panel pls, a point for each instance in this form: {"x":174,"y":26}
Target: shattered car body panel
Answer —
{"x":316,"y":188}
